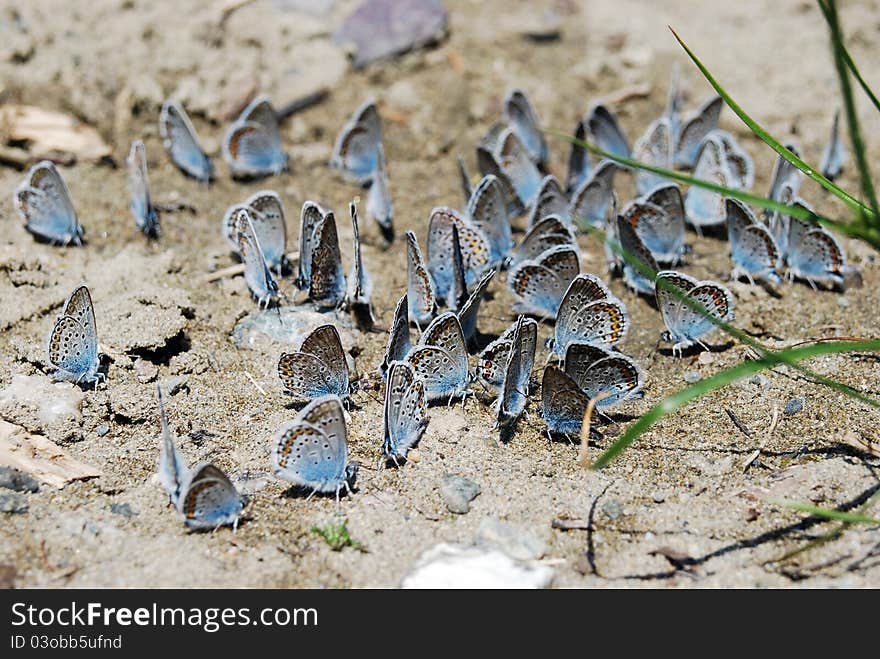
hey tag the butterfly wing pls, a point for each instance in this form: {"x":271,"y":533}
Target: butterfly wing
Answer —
{"x":549,"y":232}
{"x":327,"y":281}
{"x":653,"y":148}
{"x":145,"y":216}
{"x":399,"y":341}
{"x":606,"y":132}
{"x":834,"y":153}
{"x":694,"y":131}
{"x":519,"y":113}
{"x":406,"y":410}
{"x":311,"y":215}
{"x":44,"y":202}
{"x":173,"y":472}
{"x":209,"y":499}
{"x":540,"y":285}
{"x":487,"y":210}
{"x":325,"y":344}
{"x":182,"y":144}
{"x":579,"y":164}
{"x":515,"y":162}
{"x":564,"y":404}
{"x":590,"y":202}
{"x":475,"y":250}
{"x":613,"y":374}
{"x":705,"y":207}
{"x":515,"y":389}
{"x":467,"y":315}
{"x":818,"y":257}
{"x":256,"y":272}
{"x":550,"y":200}
{"x":73,"y":350}
{"x":421,"y":298}
{"x":379,"y":204}
{"x":635,"y":252}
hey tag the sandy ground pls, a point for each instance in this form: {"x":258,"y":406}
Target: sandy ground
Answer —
{"x":682,"y":489}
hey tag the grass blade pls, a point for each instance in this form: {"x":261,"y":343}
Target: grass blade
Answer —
{"x":848,"y":199}
{"x":828,"y":513}
{"x":725,"y":377}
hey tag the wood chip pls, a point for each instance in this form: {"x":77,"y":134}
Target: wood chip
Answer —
{"x":40,"y":457}
{"x":49,"y":133}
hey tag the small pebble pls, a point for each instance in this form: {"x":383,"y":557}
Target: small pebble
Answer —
{"x":692,"y":376}
{"x":174,"y":385}
{"x":413,"y":456}
{"x":13,"y":504}
{"x":658,"y":497}
{"x":793,"y":406}
{"x":14,"y":479}
{"x":843,"y":302}
{"x":458,"y":492}
{"x":706,"y":357}
{"x":123,"y":509}
{"x":514,"y":541}
{"x":612,"y":508}
{"x":760,"y":380}
{"x":102,"y":430}
{"x":145,"y":371}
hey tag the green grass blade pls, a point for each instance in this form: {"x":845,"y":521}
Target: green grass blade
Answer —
{"x":756,"y":128}
{"x":828,"y":513}
{"x":869,"y":234}
{"x":852,"y":66}
{"x":723,"y":378}
{"x":852,"y":119}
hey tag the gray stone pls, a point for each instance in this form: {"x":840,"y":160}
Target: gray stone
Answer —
{"x":378,"y":29}
{"x":793,"y":406}
{"x":458,"y":492}
{"x":123,"y":509}
{"x":102,"y":430}
{"x":14,"y":479}
{"x":692,"y":376}
{"x":658,"y":497}
{"x":173,"y":386}
{"x":14,"y":504}
{"x":514,"y":541}
{"x":612,"y":509}
{"x":263,"y":330}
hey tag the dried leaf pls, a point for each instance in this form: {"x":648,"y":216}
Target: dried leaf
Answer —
{"x":48,"y":133}
{"x":40,"y":457}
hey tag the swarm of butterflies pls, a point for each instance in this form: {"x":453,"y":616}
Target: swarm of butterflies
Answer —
{"x":465,"y":251}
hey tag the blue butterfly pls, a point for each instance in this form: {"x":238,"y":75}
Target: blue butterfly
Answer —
{"x":360,"y":284}
{"x":256,"y":272}
{"x":514,"y":395}
{"x":752,"y":248}
{"x":539,"y":285}
{"x":310,"y":217}
{"x":326,"y":277}
{"x":606,"y":132}
{"x":421,"y":298}
{"x":549,"y":232}
{"x":739,"y":164}
{"x":513,"y":158}
{"x":685,"y":325}
{"x":653,"y":148}
{"x":579,"y":163}
{"x":704,"y":207}
{"x":312,"y":450}
{"x":550,"y":200}
{"x":252,"y":144}
{"x":814,"y":254}
{"x":492,"y":361}
{"x":589,"y":313}
{"x":318,"y":368}
{"x":658,"y":219}
{"x":182,"y":143}
{"x":406,"y":411}
{"x":487,"y":211}
{"x":591,"y":200}
{"x":563,"y":402}
{"x":399,"y":340}
{"x":635,"y":252}
{"x":488,"y":163}
{"x":145,"y":214}
{"x":73,"y":341}
{"x":598,"y":371}
{"x":43,"y":201}
{"x":379,"y":205}
{"x":475,"y":251}
{"x":440,"y":358}
{"x":173,"y":471}
{"x":358,"y":146}
{"x":467,"y":314}
{"x":689,"y":137}
{"x":785,"y":175}
{"x":521,"y":116}
{"x":834,"y":153}
{"x":267,"y":216}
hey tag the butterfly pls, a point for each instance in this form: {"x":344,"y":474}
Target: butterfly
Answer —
{"x":360,"y":284}
{"x":689,"y":137}
{"x":550,"y":200}
{"x":267,"y":216}
{"x":252,"y":144}
{"x":521,"y":116}
{"x":44,"y":203}
{"x":406,"y":411}
{"x":785,"y":175}
{"x":639,"y":264}
{"x":684,"y":324}
{"x":489,"y":163}
{"x":310,"y":217}
{"x":549,"y":232}
{"x":326,"y":277}
{"x":590,"y":202}
{"x":589,"y":313}
{"x":312,"y":450}
{"x":440,"y":358}
{"x":487,"y":211}
{"x":563,"y":402}
{"x":475,"y":250}
{"x":752,"y":248}
{"x":182,"y":143}
{"x":704,"y":207}
{"x":834,"y":153}
{"x":204,"y":497}
{"x":515,"y":386}
{"x":539,"y":284}
{"x":579,"y":164}
{"x":318,"y":368}
{"x":146,"y":216}
{"x":606,"y":132}
{"x":358,"y":146}
{"x":739,"y":164}
{"x":73,"y":341}
{"x":256,"y":272}
{"x":673,"y":99}
{"x":467,"y":314}
{"x":814,"y":255}
{"x":597,"y":370}
{"x":779,"y":223}
{"x":492,"y":361}
{"x":513,"y":158}
{"x":421,"y":298}
{"x":653,"y":148}
{"x":658,"y":219}
{"x":399,"y":340}
{"x":379,"y":205}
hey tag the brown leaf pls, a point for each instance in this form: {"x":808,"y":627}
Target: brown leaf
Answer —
{"x":40,"y":457}
{"x":51,"y":133}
